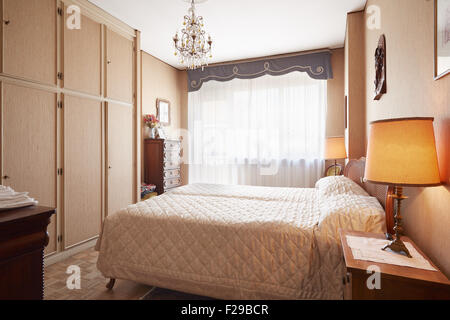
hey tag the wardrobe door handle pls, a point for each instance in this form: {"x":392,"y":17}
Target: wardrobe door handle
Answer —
{"x":7,"y":22}
{"x":5,"y":177}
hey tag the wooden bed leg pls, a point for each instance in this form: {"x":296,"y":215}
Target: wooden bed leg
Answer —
{"x":111,"y":284}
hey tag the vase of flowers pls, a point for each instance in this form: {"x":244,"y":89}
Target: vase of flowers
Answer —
{"x":153,"y":124}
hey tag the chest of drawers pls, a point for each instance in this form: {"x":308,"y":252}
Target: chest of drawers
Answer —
{"x":162,"y":164}
{"x":23,"y":237}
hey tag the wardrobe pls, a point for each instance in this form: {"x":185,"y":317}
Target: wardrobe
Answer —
{"x":70,"y":113}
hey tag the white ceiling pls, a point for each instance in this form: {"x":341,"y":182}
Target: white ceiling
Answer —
{"x":240,"y":29}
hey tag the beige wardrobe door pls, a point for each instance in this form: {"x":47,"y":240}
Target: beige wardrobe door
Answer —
{"x":29,"y":146}
{"x":119,"y":71}
{"x":120,"y":157}
{"x":29,"y":31}
{"x":82,"y":169}
{"x":82,"y":57}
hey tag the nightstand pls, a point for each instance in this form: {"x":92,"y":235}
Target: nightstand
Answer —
{"x":397,"y":282}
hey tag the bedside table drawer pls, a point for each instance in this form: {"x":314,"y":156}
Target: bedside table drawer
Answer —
{"x":395,"y":288}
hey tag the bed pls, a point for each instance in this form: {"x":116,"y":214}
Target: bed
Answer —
{"x":241,"y":242}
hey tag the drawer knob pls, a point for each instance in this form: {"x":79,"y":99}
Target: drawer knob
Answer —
{"x":346,"y":278}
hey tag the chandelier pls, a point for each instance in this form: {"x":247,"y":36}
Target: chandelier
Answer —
{"x":191,"y":46}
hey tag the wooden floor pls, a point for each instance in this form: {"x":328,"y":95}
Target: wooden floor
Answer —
{"x":92,"y":282}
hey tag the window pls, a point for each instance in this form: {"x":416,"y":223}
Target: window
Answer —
{"x":264,"y":131}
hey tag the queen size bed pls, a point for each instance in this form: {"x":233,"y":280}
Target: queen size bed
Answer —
{"x":241,"y":242}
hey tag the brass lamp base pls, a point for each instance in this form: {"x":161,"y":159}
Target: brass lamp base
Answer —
{"x":398,"y":246}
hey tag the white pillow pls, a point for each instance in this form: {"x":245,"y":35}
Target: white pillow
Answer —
{"x":336,"y":185}
{"x":350,"y":212}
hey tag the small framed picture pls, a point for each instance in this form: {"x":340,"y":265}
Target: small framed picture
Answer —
{"x":441,"y":38}
{"x":163,"y":111}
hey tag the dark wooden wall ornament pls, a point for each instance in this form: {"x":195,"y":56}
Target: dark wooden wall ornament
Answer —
{"x":380,"y":68}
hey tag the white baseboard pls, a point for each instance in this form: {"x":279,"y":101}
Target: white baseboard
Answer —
{"x":60,"y":256}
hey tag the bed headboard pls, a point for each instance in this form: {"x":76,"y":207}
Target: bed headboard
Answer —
{"x":355,"y":170}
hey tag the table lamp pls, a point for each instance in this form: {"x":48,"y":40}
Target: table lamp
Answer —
{"x":402,"y":152}
{"x":335,"y":149}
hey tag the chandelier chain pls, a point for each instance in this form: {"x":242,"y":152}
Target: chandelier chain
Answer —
{"x":192,"y":46}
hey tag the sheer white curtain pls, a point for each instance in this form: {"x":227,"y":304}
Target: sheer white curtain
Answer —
{"x":267,"y":131}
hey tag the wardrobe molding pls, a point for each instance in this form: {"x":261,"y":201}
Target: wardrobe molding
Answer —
{"x":54,"y":89}
{"x":99,"y":15}
{"x":137,"y":150}
{"x":60,"y":256}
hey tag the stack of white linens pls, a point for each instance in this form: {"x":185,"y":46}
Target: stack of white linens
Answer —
{"x":10,"y":199}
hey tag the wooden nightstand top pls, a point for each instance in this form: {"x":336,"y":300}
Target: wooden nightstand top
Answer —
{"x":389,"y":269}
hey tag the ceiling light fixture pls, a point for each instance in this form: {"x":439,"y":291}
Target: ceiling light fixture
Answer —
{"x":193,"y":48}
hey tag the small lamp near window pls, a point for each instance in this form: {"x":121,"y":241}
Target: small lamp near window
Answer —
{"x":402,"y":152}
{"x":334,"y":150}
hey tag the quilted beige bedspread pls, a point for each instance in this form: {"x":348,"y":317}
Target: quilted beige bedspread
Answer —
{"x":236,"y":242}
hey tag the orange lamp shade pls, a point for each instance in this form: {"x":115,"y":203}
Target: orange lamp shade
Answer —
{"x":335,"y":148}
{"x":402,"y":152}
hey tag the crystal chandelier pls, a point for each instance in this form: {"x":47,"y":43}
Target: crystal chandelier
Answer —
{"x":192,"y":47}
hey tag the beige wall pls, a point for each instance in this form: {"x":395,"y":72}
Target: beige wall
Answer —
{"x":412,"y":92}
{"x":354,"y":85}
{"x":183,"y":86}
{"x":335,"y":97}
{"x":160,"y":80}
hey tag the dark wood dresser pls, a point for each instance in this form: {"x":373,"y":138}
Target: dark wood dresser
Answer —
{"x":162,"y":164}
{"x":23,"y":237}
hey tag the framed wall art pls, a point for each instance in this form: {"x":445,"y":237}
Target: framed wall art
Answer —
{"x":163,"y":111}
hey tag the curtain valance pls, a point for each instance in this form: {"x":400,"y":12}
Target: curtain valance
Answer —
{"x":316,"y":65}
